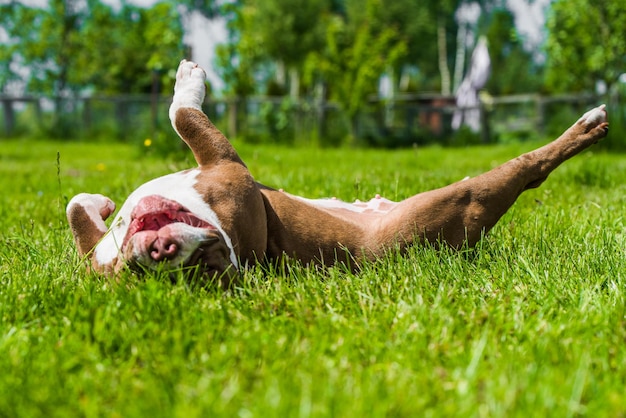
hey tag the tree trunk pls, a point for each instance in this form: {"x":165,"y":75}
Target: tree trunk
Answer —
{"x":9,"y":117}
{"x":294,"y":83}
{"x":443,"y":58}
{"x":459,"y":62}
{"x":354,"y":129}
{"x":280,"y":74}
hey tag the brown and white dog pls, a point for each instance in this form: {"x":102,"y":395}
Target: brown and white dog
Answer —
{"x":218,"y":219}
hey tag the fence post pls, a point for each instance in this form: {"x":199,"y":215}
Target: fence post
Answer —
{"x":232,"y":118}
{"x":541,"y":114}
{"x":87,"y":115}
{"x":38,"y":111}
{"x":9,"y":116}
{"x":485,"y":132}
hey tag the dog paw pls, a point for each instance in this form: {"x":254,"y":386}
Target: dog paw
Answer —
{"x":189,"y":89}
{"x":97,"y":206}
{"x":595,"y":118}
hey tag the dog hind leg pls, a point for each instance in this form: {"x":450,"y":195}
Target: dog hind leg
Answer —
{"x":462,"y":212}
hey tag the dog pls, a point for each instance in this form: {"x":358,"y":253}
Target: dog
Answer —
{"x":216,"y":219}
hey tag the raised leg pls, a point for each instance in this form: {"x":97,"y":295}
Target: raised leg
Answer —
{"x":462,"y":212}
{"x":208,"y":144}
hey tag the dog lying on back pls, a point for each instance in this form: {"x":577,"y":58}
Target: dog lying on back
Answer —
{"x":216,"y":218}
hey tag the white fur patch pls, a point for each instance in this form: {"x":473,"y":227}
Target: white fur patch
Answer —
{"x":376,"y":205}
{"x":594,"y":116}
{"x":95,"y":205}
{"x":189,"y":89}
{"x":177,"y":187}
{"x":195,"y":236}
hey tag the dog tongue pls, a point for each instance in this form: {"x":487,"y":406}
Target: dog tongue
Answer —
{"x":155,"y":204}
{"x":154,"y":212}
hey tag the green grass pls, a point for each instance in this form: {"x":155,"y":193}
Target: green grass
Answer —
{"x":531,"y":323}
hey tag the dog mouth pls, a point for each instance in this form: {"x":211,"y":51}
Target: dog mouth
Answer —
{"x":154,"y":212}
{"x":195,"y":248}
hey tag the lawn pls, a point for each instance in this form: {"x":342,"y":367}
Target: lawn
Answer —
{"x":531,"y":323}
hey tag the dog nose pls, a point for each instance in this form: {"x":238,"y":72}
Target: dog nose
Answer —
{"x":163,"y":248}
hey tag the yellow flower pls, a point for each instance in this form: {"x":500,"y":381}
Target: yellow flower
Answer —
{"x":147,"y":142}
{"x":100,"y":167}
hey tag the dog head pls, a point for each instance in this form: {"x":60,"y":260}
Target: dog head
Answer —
{"x":163,"y":234}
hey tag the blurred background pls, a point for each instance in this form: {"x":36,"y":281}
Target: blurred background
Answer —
{"x":314,"y":72}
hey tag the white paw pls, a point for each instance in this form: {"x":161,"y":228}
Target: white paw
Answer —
{"x":594,"y":117}
{"x":97,"y":206}
{"x":189,"y":89}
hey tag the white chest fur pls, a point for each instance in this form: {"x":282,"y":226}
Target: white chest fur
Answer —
{"x":177,"y":187}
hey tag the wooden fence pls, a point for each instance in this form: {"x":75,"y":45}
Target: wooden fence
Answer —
{"x":406,"y":120}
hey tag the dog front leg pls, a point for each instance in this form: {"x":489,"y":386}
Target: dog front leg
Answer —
{"x":86,"y":214}
{"x":462,"y":212}
{"x":208,"y":144}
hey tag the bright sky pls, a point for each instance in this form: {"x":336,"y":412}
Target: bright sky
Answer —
{"x":202,"y":35}
{"x":530,"y":18}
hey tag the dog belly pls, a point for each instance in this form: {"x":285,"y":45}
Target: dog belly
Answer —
{"x":377,"y":205}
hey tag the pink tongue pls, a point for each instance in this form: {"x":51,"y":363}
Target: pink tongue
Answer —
{"x":155,"y":204}
{"x":157,"y":220}
{"x":154,"y":212}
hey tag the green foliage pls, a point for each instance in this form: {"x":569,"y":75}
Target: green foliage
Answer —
{"x":464,"y":137}
{"x":237,"y":58}
{"x":81,"y":47}
{"x":357,"y":53}
{"x":143,"y":44}
{"x":288,"y":29}
{"x":320,"y":50}
{"x":12,"y":17}
{"x":209,"y":8}
{"x":414,"y":23}
{"x":586,"y":43}
{"x":47,"y":52}
{"x":528,"y":324}
{"x":280,"y":33}
{"x":513,"y":69}
{"x":89,"y":47}
{"x":278,"y":119}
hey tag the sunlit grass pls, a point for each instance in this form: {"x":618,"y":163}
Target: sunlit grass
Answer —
{"x":531,"y":323}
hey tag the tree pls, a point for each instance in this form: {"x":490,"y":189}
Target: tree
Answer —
{"x":208,"y":8}
{"x":358,"y":51}
{"x":237,"y":59}
{"x":72,"y":45}
{"x":586,"y":44}
{"x":44,"y":41}
{"x":427,"y":28}
{"x":13,"y":31}
{"x":443,"y":13}
{"x":516,"y":70}
{"x":140,"y":43}
{"x":290,"y":30}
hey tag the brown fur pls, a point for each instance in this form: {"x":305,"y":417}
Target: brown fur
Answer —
{"x":267,"y":224}
{"x":271,"y":223}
